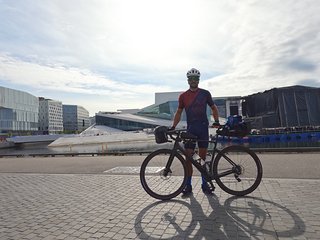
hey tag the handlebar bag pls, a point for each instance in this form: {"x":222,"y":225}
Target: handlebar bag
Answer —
{"x":160,"y":134}
{"x":234,"y":127}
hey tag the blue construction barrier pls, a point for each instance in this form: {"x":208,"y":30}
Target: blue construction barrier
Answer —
{"x":286,"y":137}
{"x":274,"y":139}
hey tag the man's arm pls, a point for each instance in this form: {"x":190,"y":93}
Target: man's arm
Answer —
{"x":215,"y":113}
{"x":177,"y":117}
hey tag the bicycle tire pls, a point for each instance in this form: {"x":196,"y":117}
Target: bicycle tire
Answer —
{"x":250,"y":172}
{"x":152,"y":175}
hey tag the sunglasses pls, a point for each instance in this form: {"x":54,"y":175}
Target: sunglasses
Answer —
{"x":195,"y":78}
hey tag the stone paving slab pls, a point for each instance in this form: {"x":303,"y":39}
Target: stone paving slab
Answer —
{"x":103,"y":206}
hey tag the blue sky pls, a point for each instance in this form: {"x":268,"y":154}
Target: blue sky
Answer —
{"x":115,"y":54}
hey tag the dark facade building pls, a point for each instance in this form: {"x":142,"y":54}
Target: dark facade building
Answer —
{"x":75,"y":118}
{"x":295,"y":106}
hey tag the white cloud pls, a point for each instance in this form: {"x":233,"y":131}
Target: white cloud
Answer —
{"x":274,"y":45}
{"x":135,"y":48}
{"x":65,"y":79}
{"x":80,"y":81}
{"x":163,"y":35}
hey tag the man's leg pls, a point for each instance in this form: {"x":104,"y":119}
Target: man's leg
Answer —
{"x":188,"y":189}
{"x":203,"y":153}
{"x":205,"y":187}
{"x":189,"y":163}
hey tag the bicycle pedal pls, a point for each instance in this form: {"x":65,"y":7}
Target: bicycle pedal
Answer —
{"x":238,"y":179}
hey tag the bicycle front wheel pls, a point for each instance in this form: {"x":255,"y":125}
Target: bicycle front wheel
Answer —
{"x":238,"y":170}
{"x":160,"y":180}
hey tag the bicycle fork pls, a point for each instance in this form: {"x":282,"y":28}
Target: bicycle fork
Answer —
{"x":167,"y":170}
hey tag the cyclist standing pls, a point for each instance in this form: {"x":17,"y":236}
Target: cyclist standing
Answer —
{"x":195,"y":101}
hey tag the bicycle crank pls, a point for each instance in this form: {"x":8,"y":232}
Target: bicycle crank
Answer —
{"x":238,"y":170}
{"x":237,"y":178}
{"x":212,"y":186}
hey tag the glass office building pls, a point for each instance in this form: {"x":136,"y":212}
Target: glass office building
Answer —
{"x":18,"y":111}
{"x":163,"y":111}
{"x":75,"y":118}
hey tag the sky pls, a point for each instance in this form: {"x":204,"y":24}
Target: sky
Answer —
{"x":107,"y":55}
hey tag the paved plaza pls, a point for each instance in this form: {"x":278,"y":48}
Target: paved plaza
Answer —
{"x":106,"y":206}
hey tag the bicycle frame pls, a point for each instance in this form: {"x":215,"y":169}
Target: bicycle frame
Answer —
{"x":208,"y":176}
{"x":227,"y":167}
{"x":176,"y":148}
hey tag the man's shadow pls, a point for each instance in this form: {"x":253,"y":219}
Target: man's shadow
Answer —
{"x":218,"y":224}
{"x":184,"y":220}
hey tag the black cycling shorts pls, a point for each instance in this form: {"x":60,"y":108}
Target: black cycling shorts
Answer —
{"x":202,"y":132}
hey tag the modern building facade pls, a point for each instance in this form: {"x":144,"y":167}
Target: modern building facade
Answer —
{"x":75,"y":118}
{"x":162,"y":97}
{"x":129,"y":122}
{"x":164,"y":110}
{"x":50,"y":116}
{"x":18,"y":111}
{"x":226,"y":105}
{"x":162,"y":113}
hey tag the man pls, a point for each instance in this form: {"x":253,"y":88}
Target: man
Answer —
{"x":195,"y":101}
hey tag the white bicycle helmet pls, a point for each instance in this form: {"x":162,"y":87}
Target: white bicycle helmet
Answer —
{"x":193,"y":72}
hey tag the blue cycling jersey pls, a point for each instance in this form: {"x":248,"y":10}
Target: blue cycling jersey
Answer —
{"x":195,"y":104}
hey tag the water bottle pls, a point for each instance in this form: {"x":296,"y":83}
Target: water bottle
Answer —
{"x":207,"y":163}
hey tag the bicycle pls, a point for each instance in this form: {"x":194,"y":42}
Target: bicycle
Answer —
{"x":236,"y":169}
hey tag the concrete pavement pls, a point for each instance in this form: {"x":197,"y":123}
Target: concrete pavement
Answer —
{"x":275,"y":165}
{"x":106,"y":206}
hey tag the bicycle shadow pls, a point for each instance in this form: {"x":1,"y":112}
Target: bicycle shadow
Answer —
{"x":264,"y":217}
{"x":245,"y":218}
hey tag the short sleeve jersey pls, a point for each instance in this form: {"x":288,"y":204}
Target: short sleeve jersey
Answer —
{"x":195,"y":104}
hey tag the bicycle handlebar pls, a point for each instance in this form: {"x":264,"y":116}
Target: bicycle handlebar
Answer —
{"x":176,"y":132}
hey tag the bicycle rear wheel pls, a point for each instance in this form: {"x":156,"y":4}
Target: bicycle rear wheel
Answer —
{"x":160,"y":182}
{"x":240,"y":176}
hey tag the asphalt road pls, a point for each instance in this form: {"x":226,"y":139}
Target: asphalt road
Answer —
{"x":275,"y":165}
